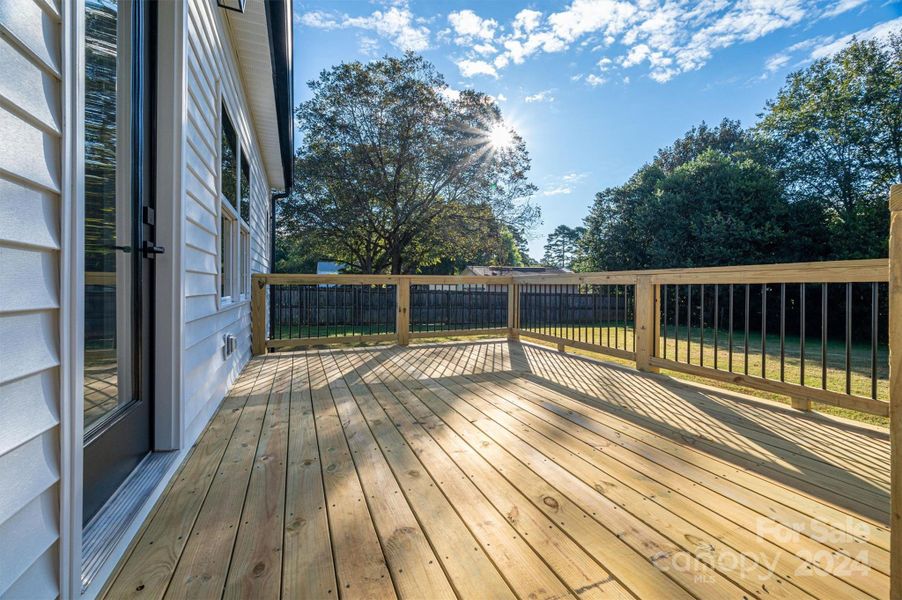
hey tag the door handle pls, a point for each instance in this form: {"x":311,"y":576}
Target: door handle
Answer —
{"x":150,"y":249}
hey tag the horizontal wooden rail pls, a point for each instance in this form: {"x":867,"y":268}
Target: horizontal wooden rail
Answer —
{"x":841,"y":271}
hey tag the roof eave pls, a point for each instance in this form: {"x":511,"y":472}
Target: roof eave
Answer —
{"x":278,"y":20}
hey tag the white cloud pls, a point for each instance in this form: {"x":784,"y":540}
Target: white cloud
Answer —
{"x":525,"y":21}
{"x":396,"y":24}
{"x":318,"y":19}
{"x":369,"y":46}
{"x":574,"y":177}
{"x":543,"y":96}
{"x":666,"y":37}
{"x":501,"y":98}
{"x":843,"y":6}
{"x":449,"y":93}
{"x":470,"y":68}
{"x":558,"y":191}
{"x":484,"y":49}
{"x":469,"y":26}
{"x":880,"y":30}
{"x":595,"y":80}
{"x":777,"y":62}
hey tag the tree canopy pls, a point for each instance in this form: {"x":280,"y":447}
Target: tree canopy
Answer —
{"x":562,"y":247}
{"x":397,"y":172}
{"x":808,"y":182}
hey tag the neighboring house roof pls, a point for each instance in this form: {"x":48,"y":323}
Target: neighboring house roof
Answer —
{"x":266,"y":71}
{"x":495,"y":271}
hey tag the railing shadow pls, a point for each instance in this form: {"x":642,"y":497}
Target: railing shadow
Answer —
{"x":801,"y":452}
{"x":794,"y":449}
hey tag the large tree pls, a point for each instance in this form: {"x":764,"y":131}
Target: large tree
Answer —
{"x":835,"y":129}
{"x":397,"y":172}
{"x":562,"y":247}
{"x":712,"y":210}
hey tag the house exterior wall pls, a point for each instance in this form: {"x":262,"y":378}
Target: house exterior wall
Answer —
{"x":40,"y":339}
{"x":212,"y":73}
{"x":30,"y":198}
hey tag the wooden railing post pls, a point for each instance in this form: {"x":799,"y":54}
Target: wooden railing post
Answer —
{"x":513,"y":311}
{"x":403,"y":302}
{"x":895,"y":388}
{"x":647,"y":317}
{"x":258,"y":316}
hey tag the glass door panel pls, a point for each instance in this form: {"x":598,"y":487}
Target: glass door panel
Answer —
{"x":109,"y":249}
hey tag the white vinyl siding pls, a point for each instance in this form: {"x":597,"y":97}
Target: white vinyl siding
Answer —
{"x":30,"y":159}
{"x":212,"y":77}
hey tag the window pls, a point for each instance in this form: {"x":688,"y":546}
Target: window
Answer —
{"x":229,"y":160}
{"x":226,"y":234}
{"x":245,"y":262}
{"x":235,"y":244}
{"x":245,"y":188}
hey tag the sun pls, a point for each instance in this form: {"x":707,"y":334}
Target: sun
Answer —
{"x":500,"y":137}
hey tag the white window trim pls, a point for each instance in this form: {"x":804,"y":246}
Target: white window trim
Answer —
{"x":238,"y":261}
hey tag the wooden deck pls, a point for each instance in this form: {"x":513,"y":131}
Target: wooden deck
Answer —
{"x":497,"y":470}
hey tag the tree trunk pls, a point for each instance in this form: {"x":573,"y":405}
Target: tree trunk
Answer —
{"x":396,"y":261}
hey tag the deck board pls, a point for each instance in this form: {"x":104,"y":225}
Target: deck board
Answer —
{"x":496,"y":469}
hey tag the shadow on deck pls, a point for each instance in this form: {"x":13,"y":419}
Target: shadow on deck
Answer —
{"x":496,"y":469}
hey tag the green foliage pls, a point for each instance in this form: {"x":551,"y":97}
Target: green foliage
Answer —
{"x":808,"y":182}
{"x":562,"y":247}
{"x":835,"y":134}
{"x":395,"y":173}
{"x":712,"y":210}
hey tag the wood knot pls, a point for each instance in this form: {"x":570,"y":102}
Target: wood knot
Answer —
{"x":550,"y":502}
{"x":259,"y":569}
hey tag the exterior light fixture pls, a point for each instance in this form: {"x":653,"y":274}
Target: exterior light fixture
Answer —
{"x":236,"y":5}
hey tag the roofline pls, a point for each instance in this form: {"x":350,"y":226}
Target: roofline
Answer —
{"x":278,"y":21}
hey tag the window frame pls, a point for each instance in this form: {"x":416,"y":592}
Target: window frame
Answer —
{"x":234,"y":243}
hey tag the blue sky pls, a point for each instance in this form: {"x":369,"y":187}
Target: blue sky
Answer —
{"x":595,"y":87}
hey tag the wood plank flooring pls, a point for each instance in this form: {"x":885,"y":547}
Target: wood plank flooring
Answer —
{"x":506,"y":470}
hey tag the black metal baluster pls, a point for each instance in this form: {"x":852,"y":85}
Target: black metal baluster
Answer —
{"x":594,"y":319}
{"x":802,"y":334}
{"x":676,"y":326}
{"x":782,"y":332}
{"x":689,"y":324}
{"x":617,"y":316}
{"x":664,"y":294}
{"x":824,"y":336}
{"x":716,"y":321}
{"x":279,"y":319}
{"x":763,"y":330}
{"x":848,"y":338}
{"x":607,"y":313}
{"x":701,"y":337}
{"x":746,"y":338}
{"x":874,"y":309}
{"x":730,"y":351}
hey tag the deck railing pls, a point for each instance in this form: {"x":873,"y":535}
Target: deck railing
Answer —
{"x":816,"y":332}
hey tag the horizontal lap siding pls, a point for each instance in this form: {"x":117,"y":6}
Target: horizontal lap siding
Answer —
{"x":210,"y":65}
{"x":30,"y":125}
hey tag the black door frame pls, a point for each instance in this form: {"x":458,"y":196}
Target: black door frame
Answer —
{"x":114,"y":448}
